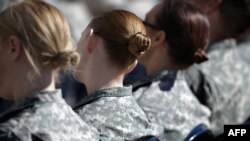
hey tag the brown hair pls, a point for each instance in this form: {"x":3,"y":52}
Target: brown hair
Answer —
{"x":43,"y":32}
{"x":186,"y":29}
{"x":124,"y":36}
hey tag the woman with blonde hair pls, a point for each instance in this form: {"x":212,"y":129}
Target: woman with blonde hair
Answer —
{"x":35,"y":44}
{"x":109,"y":47}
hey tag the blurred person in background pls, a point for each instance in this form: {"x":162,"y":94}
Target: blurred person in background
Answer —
{"x":244,"y":45}
{"x":34,"y":46}
{"x":106,"y":57}
{"x":222,"y":83}
{"x":179,"y":33}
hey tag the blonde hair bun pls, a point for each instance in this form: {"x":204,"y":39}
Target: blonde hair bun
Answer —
{"x":66,"y":59}
{"x":138,"y":44}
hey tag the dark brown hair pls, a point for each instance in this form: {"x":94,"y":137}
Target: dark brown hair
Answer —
{"x":235,"y":15}
{"x":124,"y":36}
{"x":186,"y":29}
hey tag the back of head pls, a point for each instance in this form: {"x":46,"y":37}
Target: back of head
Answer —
{"x":43,"y":33}
{"x":124,"y":36}
{"x":235,"y":15}
{"x":186,"y":29}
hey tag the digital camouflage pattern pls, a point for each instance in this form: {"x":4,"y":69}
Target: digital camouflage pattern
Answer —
{"x":168,"y":102}
{"x":244,"y":51}
{"x":116,"y":115}
{"x":45,"y":116}
{"x":222,"y":83}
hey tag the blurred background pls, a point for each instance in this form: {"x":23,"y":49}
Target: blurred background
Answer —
{"x":80,"y":12}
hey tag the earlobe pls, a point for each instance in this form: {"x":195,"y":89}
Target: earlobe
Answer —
{"x":14,"y":48}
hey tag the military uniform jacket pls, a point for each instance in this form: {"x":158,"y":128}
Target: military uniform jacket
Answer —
{"x":44,"y":116}
{"x":244,"y":50}
{"x":116,"y":115}
{"x":168,"y":101}
{"x":223,"y":83}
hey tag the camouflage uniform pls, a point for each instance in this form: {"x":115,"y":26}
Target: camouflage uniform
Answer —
{"x":168,"y":101}
{"x":116,"y":115}
{"x":44,"y":116}
{"x":223,"y":84}
{"x":244,"y":51}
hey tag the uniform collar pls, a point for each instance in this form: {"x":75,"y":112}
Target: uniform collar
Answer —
{"x":30,"y":101}
{"x":224,"y":44}
{"x":41,"y":96}
{"x":166,"y":79}
{"x":164,"y":75}
{"x":107,"y":92}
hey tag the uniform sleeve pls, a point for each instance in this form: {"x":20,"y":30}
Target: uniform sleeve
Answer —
{"x":6,"y":135}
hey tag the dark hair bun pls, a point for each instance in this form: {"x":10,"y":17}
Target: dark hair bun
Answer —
{"x":200,"y":56}
{"x":138,"y":44}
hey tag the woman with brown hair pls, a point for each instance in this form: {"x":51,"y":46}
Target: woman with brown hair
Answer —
{"x":179,"y":33}
{"x":35,"y":44}
{"x":109,"y":47}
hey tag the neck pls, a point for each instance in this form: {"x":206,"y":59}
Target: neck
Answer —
{"x":158,"y":62}
{"x":100,"y":77}
{"x":44,"y":82}
{"x":219,"y":30}
{"x":153,"y":68}
{"x":218,"y":35}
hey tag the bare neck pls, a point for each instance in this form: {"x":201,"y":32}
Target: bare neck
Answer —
{"x":219,"y":30}
{"x":99,"y":77}
{"x":158,"y":62}
{"x":44,"y":82}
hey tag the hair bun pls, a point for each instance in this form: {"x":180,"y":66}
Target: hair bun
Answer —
{"x":138,"y":44}
{"x":65,"y":60}
{"x":200,"y":56}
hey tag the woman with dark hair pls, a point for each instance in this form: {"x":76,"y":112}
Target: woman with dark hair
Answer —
{"x":109,"y":49}
{"x":35,"y":44}
{"x":222,"y":83}
{"x":179,"y":33}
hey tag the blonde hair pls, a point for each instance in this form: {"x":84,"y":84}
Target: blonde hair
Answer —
{"x":43,"y":32}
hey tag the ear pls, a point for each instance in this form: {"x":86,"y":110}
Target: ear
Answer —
{"x":131,"y":67}
{"x":14,"y":48}
{"x":211,"y":6}
{"x":158,"y":38}
{"x":90,"y":40}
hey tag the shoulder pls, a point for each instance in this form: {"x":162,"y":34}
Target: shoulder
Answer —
{"x":105,"y":106}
